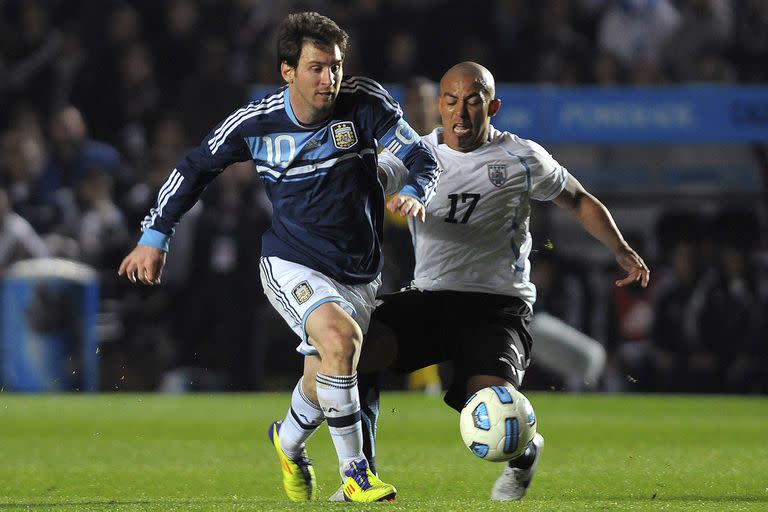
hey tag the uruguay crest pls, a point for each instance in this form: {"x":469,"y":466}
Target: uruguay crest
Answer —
{"x":344,"y":135}
{"x":497,"y":173}
{"x":302,"y":292}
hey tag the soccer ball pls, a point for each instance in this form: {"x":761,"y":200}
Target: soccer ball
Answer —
{"x":497,"y":423}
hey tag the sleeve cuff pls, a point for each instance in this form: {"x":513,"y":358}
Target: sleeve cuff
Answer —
{"x":410,"y":190}
{"x":155,"y":239}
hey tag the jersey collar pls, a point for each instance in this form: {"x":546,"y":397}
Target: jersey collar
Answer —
{"x":292,"y":116}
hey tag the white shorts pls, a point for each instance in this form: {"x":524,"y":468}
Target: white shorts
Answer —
{"x":295,"y":291}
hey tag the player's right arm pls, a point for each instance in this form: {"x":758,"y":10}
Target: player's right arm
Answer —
{"x":597,"y":220}
{"x":221,"y":148}
{"x":550,"y":181}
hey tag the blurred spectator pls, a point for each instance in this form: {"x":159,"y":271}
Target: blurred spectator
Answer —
{"x":562,"y":55}
{"x":138,"y":101}
{"x":73,"y":154}
{"x":168,"y":139}
{"x":27,"y":71}
{"x":96,"y":222}
{"x":674,"y":329}
{"x":177,"y":45}
{"x":508,"y":26}
{"x":750,"y":40}
{"x":632,"y":35}
{"x":697,"y":50}
{"x":22,"y":160}
{"x":731,"y":331}
{"x":420,"y":107}
{"x":18,"y":239}
{"x":403,"y":58}
{"x":94,"y":88}
{"x":203,"y":102}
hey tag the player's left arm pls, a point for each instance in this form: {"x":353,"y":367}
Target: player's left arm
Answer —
{"x":597,"y":220}
{"x":423,"y":171}
{"x":395,"y":134}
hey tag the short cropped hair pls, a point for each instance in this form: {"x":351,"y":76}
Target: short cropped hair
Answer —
{"x":296,"y":28}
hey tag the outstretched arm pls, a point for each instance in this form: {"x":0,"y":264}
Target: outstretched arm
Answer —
{"x":597,"y":220}
{"x":144,"y":264}
{"x":180,"y":192}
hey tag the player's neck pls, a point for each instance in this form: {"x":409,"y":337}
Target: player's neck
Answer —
{"x":306,"y":115}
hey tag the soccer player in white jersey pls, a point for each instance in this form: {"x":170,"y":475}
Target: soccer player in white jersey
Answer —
{"x":314,"y":143}
{"x":471,"y":279}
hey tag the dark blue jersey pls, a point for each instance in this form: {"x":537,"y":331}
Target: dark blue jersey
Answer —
{"x":322,"y":180}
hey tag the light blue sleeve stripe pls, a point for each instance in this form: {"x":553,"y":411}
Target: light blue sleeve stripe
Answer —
{"x":155,"y":239}
{"x":409,"y":190}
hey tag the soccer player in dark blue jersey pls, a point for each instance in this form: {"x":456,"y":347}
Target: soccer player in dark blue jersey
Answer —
{"x":314,"y":143}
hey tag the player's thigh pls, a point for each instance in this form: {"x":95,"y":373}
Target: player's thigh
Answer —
{"x":296,"y":291}
{"x":379,"y":348}
{"x":488,"y":355}
{"x":404,"y":331}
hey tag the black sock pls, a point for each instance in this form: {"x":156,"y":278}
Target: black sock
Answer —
{"x":526,"y":459}
{"x":368,"y":385}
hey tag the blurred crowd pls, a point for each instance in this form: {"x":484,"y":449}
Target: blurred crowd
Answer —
{"x":99,"y":99}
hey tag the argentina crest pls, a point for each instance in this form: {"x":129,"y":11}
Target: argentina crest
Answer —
{"x":302,"y":292}
{"x":344,"y":135}
{"x":497,"y":173}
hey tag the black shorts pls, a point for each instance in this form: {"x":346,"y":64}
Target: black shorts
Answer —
{"x":481,"y":333}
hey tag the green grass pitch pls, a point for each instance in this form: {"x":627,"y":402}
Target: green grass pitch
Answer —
{"x":126,"y":452}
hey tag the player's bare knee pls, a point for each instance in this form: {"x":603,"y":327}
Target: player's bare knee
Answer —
{"x":339,"y":346}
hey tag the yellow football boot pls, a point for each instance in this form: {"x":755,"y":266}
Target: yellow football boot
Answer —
{"x":362,"y":486}
{"x":298,"y":475}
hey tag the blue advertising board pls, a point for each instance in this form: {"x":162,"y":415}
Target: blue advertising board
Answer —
{"x":685,"y":114}
{"x":678,"y":114}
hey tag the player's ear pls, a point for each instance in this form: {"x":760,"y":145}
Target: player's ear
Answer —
{"x":494,"y":107}
{"x":287,"y":71}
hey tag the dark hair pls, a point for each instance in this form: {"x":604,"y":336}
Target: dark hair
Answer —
{"x":296,"y":28}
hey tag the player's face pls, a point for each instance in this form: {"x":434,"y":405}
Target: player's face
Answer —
{"x":314,"y":83}
{"x":465,"y":109}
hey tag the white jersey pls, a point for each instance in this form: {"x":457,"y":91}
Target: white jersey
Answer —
{"x":476,"y":238}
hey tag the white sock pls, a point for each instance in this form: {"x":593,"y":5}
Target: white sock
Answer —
{"x":303,"y":418}
{"x":340,"y":400}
